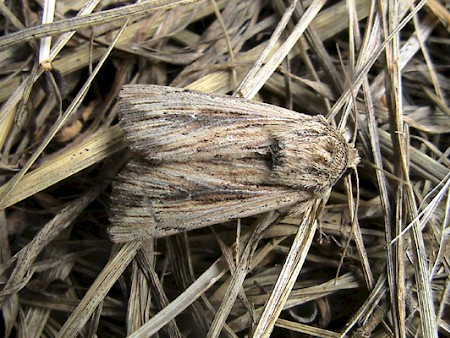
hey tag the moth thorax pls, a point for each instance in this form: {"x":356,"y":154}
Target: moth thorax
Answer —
{"x":315,"y":162}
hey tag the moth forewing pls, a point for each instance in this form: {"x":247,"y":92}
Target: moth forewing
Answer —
{"x":203,"y":159}
{"x":176,"y":197}
{"x":175,"y":125}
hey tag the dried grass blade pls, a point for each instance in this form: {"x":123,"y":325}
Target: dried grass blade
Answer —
{"x":76,"y":23}
{"x":256,"y":83}
{"x":57,"y":125}
{"x":99,"y":289}
{"x":240,"y":274}
{"x":195,"y":290}
{"x":288,"y":276}
{"x":96,"y":148}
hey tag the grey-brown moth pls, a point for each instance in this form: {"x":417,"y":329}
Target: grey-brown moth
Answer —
{"x":204,"y":159}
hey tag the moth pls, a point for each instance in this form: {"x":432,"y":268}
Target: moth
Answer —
{"x":204,"y":159}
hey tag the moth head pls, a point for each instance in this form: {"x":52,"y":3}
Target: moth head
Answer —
{"x":312,"y":155}
{"x":351,"y":160}
{"x":352,"y":156}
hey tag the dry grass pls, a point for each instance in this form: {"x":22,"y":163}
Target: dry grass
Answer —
{"x":373,"y":263}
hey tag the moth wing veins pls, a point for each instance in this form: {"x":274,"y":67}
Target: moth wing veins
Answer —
{"x":204,"y":159}
{"x":173,"y":125}
{"x":170,"y":198}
